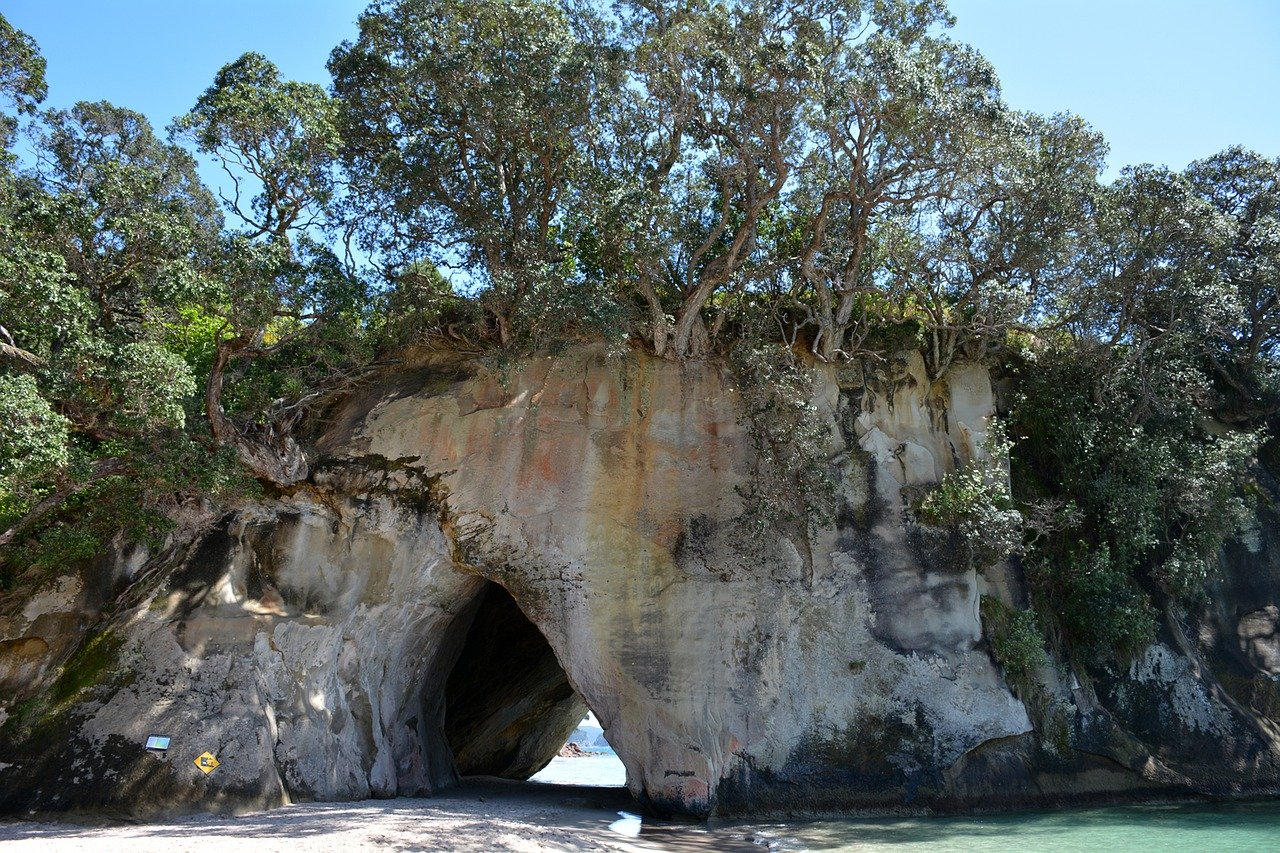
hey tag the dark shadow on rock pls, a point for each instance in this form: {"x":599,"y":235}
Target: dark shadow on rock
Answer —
{"x":509,"y":706}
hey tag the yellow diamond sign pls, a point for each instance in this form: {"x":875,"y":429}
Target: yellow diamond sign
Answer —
{"x":207,"y":762}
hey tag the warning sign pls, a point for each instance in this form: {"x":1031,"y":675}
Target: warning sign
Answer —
{"x":207,"y":762}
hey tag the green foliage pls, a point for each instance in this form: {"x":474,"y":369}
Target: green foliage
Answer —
{"x":468,"y":125}
{"x":22,"y":84}
{"x":420,"y":303}
{"x":1016,"y":642}
{"x":131,"y":507}
{"x":1244,"y":188}
{"x":792,"y":490}
{"x":34,"y":443}
{"x":193,"y":335}
{"x":1142,"y":411}
{"x":101,"y":245}
{"x":107,"y":240}
{"x":289,"y":316}
{"x":706,"y":134}
{"x":107,"y":249}
{"x":1097,"y":600}
{"x":1122,"y":438}
{"x":1018,"y":646}
{"x":279,"y":133}
{"x":975,"y":501}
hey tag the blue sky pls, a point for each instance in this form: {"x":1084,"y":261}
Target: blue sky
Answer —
{"x":1166,"y":81}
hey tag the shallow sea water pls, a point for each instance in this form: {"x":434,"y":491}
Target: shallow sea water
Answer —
{"x":603,"y":770}
{"x":1233,"y":828}
{"x":485,"y":814}
{"x":1187,"y":828}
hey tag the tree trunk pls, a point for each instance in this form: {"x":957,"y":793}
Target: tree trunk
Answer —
{"x":219,"y":424}
{"x":690,"y":339}
{"x":660,"y":329}
{"x":276,"y":458}
{"x":504,"y":328}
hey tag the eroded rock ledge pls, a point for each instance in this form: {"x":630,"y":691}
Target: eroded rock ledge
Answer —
{"x":325,"y":644}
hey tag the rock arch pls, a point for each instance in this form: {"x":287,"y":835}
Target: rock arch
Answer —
{"x":310,"y":638}
{"x":509,"y":706}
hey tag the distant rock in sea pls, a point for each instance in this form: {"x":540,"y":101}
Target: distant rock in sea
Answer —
{"x":589,"y":737}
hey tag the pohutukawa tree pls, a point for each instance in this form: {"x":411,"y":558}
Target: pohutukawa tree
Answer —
{"x":22,"y":89}
{"x":897,"y":117}
{"x":707,"y":136}
{"x":105,"y":238}
{"x":467,"y":125}
{"x":1244,"y":187}
{"x":922,"y":197}
{"x":22,"y":84}
{"x":1006,"y":238}
{"x":274,"y":287}
{"x":275,"y":139}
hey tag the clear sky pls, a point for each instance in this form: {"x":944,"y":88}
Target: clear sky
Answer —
{"x":1166,"y":81}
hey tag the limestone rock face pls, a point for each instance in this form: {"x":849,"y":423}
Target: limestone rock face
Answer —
{"x":349,"y":639}
{"x":605,"y":498}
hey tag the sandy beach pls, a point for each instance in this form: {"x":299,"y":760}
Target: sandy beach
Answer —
{"x":480,"y":815}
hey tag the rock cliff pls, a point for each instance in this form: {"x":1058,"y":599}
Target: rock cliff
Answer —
{"x":481,"y":554}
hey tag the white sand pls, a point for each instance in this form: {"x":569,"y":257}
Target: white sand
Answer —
{"x":481,"y":815}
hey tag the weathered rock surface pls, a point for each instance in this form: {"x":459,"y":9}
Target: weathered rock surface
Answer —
{"x":478,"y":556}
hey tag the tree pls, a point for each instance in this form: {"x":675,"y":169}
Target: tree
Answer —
{"x":1113,"y":411}
{"x":35,"y":443}
{"x":22,"y":88}
{"x":1008,"y":236}
{"x":22,"y":85}
{"x":467,"y":126}
{"x":1122,"y":441}
{"x":102,"y":242}
{"x":279,"y":133}
{"x":1158,"y":245}
{"x":115,"y":226}
{"x":274,"y":286}
{"x":706,"y":138}
{"x":901,"y":117}
{"x":1244,"y":187}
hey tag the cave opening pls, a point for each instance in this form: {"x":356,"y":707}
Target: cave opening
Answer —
{"x":510,"y":710}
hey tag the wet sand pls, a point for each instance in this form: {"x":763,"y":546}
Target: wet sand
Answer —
{"x":480,"y":815}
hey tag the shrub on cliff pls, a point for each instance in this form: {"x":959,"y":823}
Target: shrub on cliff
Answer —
{"x":1016,"y":642}
{"x":976,"y":503}
{"x":1124,"y":440}
{"x":792,"y":491}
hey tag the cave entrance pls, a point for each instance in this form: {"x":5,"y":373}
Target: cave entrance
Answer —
{"x":510,"y":710}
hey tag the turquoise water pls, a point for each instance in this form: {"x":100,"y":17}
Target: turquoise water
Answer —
{"x":1234,"y":828}
{"x":1186,"y":828}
